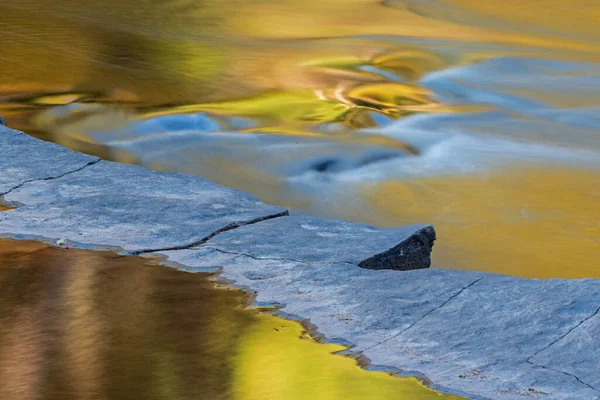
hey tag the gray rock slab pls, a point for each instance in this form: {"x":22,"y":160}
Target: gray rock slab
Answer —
{"x":130,"y":207}
{"x":304,"y":238}
{"x":483,"y":339}
{"x":24,"y":158}
{"x":575,"y":352}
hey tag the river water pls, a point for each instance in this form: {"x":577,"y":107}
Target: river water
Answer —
{"x":84,"y":325}
{"x":479,"y":117}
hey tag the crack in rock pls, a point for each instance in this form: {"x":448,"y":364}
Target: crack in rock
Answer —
{"x":564,"y":373}
{"x":253,"y":257}
{"x":423,"y":316}
{"x":205,"y":239}
{"x":597,"y":312}
{"x":565,"y":335}
{"x":49,"y":178}
{"x":237,"y":253}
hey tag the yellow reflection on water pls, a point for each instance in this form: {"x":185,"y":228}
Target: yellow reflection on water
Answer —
{"x":307,"y":371}
{"x":291,"y":108}
{"x":78,"y":324}
{"x":576,"y":19}
{"x":302,"y":19}
{"x":539,"y":222}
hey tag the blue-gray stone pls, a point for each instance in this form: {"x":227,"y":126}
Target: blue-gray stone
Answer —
{"x":24,"y":159}
{"x":576,"y":351}
{"x":118,"y":205}
{"x":485,"y":339}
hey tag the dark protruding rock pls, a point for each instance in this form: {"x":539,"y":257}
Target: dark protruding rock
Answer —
{"x":412,"y":253}
{"x":2,"y":121}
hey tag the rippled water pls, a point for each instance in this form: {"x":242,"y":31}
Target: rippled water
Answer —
{"x":78,"y":324}
{"x":479,"y":117}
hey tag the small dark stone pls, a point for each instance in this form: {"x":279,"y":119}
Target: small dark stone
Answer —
{"x":324,"y":165}
{"x":412,"y":253}
{"x":2,"y":121}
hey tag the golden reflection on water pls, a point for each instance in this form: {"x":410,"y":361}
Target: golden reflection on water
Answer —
{"x":95,"y":325}
{"x":245,"y":55}
{"x":578,"y":22}
{"x":534,"y":222}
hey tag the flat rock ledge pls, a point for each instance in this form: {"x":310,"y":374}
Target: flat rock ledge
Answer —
{"x":481,"y":335}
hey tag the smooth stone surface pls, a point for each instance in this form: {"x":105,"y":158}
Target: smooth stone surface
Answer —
{"x":302,"y":238}
{"x":24,"y":158}
{"x":487,"y":337}
{"x":130,"y":207}
{"x":574,"y":353}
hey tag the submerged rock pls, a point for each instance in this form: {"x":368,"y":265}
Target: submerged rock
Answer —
{"x":336,"y":162}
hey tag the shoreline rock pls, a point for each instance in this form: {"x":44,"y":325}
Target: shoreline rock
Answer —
{"x":476,"y":334}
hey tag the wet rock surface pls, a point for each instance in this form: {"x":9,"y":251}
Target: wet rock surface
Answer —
{"x":483,"y":335}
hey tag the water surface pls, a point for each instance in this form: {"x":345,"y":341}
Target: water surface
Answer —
{"x":479,"y":117}
{"x":77,"y":324}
